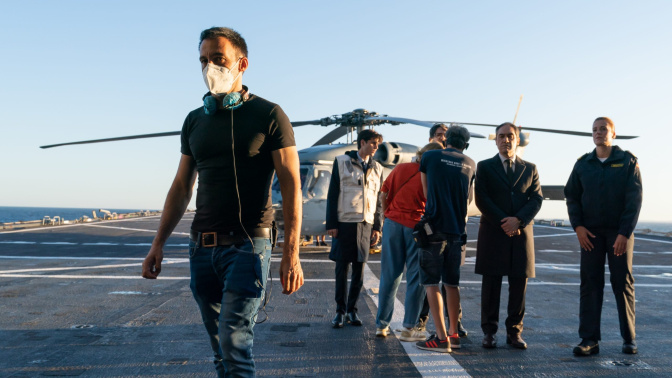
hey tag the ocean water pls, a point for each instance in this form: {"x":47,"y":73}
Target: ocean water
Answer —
{"x":16,"y":214}
{"x":664,"y":227}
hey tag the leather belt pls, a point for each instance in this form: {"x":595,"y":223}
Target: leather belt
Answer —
{"x":213,"y":239}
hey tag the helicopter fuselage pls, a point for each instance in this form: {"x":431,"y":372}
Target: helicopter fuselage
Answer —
{"x":316,"y":166}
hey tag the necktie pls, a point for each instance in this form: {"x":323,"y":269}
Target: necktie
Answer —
{"x":509,"y":170}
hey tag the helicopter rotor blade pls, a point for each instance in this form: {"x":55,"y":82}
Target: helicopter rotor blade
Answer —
{"x":155,"y":135}
{"x":568,"y":132}
{"x":400,"y":120}
{"x":553,"y":131}
{"x":333,"y":135}
{"x":304,"y":123}
{"x":419,"y":123}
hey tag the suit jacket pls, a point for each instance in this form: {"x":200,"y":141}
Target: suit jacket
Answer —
{"x":496,"y":198}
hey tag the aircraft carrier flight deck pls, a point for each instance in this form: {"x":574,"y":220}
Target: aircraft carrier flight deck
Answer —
{"x":73,"y":304}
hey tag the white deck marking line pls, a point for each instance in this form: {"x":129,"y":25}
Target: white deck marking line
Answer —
{"x":273,"y":259}
{"x":71,"y":243}
{"x":70,"y":277}
{"x":80,"y":267}
{"x":552,"y":235}
{"x":654,"y":240}
{"x":316,"y":280}
{"x":67,"y":268}
{"x":132,"y":229}
{"x":427,"y":363}
{"x":545,"y":265}
{"x":89,"y":258}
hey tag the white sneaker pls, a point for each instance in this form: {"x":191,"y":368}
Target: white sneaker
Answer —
{"x":413,"y":334}
{"x":383,"y":332}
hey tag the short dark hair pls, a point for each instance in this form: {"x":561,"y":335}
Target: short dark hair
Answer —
{"x":458,"y":137}
{"x":515,"y":128}
{"x":366,"y":135}
{"x":233,"y":36}
{"x":436,"y":126}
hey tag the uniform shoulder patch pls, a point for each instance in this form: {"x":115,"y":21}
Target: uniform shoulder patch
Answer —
{"x":633,"y":158}
{"x":583,"y":156}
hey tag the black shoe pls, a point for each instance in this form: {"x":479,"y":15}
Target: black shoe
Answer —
{"x":353,"y":319}
{"x":460,"y":329}
{"x":339,"y":320}
{"x":323,"y":244}
{"x":587,"y":347}
{"x":489,"y":341}
{"x":516,"y":341}
{"x":629,"y":347}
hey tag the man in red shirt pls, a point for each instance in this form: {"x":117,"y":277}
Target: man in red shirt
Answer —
{"x":404,"y":205}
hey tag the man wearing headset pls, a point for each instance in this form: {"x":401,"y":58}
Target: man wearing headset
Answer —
{"x":437,"y":134}
{"x":234,"y":144}
{"x":447,"y":177}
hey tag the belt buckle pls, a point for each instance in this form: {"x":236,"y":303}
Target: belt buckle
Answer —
{"x":206,"y":236}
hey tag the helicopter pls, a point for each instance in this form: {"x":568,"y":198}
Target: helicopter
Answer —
{"x":316,"y":162}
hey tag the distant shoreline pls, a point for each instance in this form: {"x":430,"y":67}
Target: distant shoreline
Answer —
{"x":25,"y":214}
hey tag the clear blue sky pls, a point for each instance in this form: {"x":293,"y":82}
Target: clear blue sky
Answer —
{"x":73,"y":70}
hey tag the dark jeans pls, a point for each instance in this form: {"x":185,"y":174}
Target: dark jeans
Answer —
{"x":490,"y":294}
{"x":228,"y":284}
{"x":356,"y":283}
{"x":592,"y":285}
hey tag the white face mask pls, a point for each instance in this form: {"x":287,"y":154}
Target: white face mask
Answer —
{"x":218,"y":79}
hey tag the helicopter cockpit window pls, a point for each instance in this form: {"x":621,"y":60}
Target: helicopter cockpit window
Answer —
{"x":319,"y":187}
{"x":303,"y":172}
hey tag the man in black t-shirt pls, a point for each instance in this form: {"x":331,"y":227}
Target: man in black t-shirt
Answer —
{"x":447,"y":176}
{"x":234,"y":144}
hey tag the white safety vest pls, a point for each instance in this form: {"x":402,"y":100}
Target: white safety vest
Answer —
{"x":358,"y":195}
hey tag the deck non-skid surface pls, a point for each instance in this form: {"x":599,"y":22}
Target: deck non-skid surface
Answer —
{"x":72,"y":303}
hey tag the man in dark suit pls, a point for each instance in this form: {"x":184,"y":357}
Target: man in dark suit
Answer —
{"x":508,"y":194}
